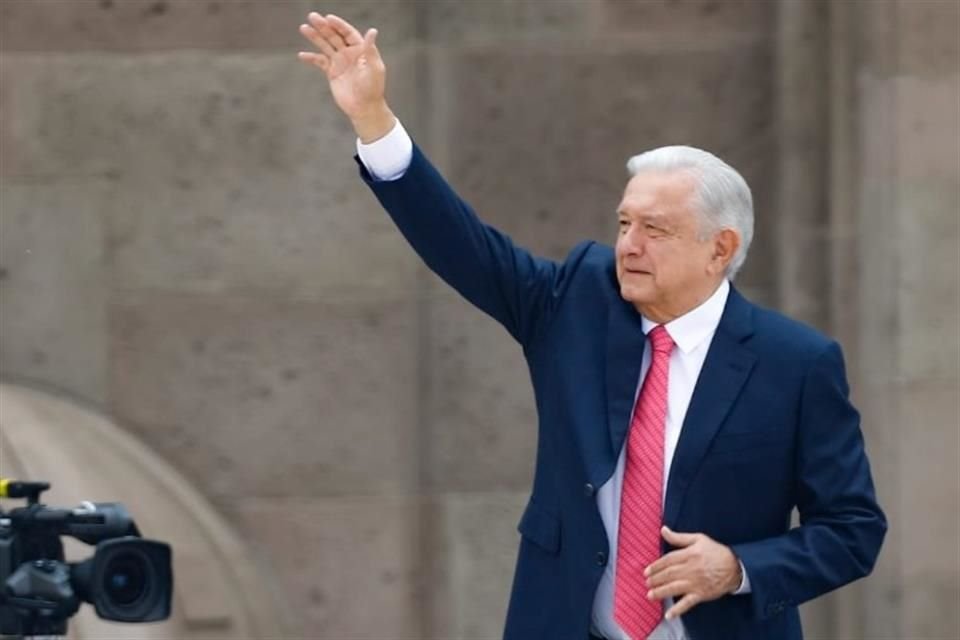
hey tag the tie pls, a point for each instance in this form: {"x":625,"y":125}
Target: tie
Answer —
{"x":641,"y":503}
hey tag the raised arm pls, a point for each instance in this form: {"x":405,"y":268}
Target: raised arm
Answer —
{"x":483,"y":264}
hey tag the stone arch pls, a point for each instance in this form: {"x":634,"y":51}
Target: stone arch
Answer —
{"x":219,"y":589}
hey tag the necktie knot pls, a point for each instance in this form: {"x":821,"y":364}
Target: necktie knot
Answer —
{"x":661,"y":340}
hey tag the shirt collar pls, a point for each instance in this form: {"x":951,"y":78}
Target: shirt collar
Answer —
{"x":692,"y":328}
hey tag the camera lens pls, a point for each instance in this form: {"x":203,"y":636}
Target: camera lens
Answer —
{"x":125,"y":578}
{"x":128,"y":579}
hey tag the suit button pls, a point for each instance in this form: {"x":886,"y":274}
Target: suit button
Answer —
{"x":588,"y":490}
{"x":601,"y":558}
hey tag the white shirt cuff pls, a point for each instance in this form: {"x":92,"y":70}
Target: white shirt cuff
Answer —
{"x":389,"y":157}
{"x":744,"y":587}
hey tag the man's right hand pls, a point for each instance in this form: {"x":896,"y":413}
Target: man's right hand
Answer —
{"x":355,"y":71}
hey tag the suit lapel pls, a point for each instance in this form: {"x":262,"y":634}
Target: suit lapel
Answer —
{"x":727,"y":366}
{"x":625,"y":344}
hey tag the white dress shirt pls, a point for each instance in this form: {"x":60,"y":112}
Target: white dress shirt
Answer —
{"x":692,"y":333}
{"x":388,"y":159}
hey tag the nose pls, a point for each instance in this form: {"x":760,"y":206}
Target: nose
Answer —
{"x":633,"y":242}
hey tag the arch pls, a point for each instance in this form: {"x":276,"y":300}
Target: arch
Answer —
{"x":219,"y":591}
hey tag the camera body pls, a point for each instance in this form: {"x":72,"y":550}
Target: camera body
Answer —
{"x":128,"y":578}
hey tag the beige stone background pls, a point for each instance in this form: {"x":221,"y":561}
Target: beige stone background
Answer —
{"x":186,"y":248}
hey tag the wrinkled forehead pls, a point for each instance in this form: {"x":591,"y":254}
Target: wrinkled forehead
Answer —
{"x":659,"y":193}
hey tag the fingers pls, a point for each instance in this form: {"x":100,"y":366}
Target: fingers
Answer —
{"x":370,"y":40}
{"x":325,"y":29}
{"x":346,"y":30}
{"x":317,"y":40}
{"x":678,"y":539}
{"x":683,"y":605}
{"x":315,"y":59}
{"x":370,"y":46}
{"x":669,"y":560}
{"x":671,"y":590}
{"x":664,"y":576}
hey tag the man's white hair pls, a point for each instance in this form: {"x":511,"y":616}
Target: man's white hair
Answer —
{"x":723,"y":199}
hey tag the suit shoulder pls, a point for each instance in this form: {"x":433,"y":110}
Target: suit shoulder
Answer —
{"x":591,"y":257}
{"x":586,"y":275}
{"x":591,"y":264}
{"x":790,"y":337}
{"x":602,"y":254}
{"x":590,"y":253}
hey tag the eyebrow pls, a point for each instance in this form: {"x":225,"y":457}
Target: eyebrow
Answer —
{"x":646,"y":217}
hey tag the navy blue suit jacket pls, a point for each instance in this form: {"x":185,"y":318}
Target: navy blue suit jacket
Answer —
{"x":769,"y":428}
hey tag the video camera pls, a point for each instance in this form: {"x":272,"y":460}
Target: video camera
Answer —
{"x":128,"y":579}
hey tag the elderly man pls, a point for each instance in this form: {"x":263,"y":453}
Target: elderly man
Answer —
{"x":679,"y":424}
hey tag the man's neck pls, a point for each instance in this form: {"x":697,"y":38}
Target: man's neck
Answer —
{"x":662,"y":314}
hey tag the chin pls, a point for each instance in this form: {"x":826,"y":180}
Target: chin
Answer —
{"x":635,"y":294}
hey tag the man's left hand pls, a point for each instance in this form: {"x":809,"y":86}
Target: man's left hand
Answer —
{"x":700,"y":570}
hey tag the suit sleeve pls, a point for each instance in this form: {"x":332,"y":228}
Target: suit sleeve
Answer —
{"x":841,"y":525}
{"x":517,"y":289}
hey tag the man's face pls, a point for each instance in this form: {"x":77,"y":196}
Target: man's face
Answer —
{"x":663,"y":267}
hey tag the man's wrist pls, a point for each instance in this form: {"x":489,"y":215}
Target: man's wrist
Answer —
{"x":736,"y":581}
{"x":373,"y":123}
{"x":389,"y":157}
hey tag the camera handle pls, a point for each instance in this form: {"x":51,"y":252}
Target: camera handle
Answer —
{"x":19,"y":489}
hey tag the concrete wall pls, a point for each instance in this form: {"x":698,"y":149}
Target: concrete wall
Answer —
{"x":184,"y":242}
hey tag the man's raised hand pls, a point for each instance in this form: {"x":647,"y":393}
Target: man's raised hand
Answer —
{"x":354,"y":69}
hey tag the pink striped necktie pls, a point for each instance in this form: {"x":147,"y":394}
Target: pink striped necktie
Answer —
{"x":641,"y":503}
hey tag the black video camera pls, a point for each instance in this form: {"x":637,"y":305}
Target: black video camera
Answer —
{"x":128,"y":579}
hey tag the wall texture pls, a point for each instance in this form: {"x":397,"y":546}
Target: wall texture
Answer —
{"x":184,"y":243}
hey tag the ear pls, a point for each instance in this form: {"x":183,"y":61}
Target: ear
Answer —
{"x":725,"y":245}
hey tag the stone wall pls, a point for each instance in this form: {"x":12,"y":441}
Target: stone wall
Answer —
{"x":907,"y":110}
{"x":184,"y":242}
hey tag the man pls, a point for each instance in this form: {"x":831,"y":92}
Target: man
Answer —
{"x":666,"y":474}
